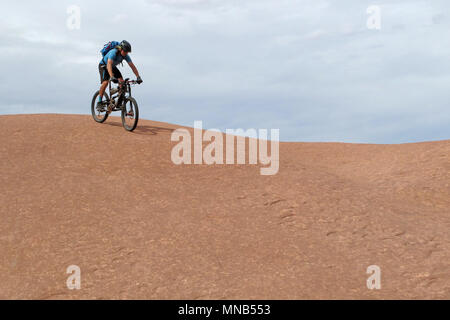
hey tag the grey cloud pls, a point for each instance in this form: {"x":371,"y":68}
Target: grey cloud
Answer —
{"x":310,"y":68}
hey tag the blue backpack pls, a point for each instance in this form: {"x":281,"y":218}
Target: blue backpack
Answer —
{"x":107,"y":47}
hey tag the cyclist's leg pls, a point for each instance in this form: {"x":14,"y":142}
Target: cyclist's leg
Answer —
{"x":104,"y":78}
{"x":103,"y":88}
{"x":117,"y":74}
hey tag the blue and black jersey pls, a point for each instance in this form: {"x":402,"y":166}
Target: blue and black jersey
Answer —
{"x":115,"y":56}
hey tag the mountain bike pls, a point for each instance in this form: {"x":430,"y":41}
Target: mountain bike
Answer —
{"x":121,"y":100}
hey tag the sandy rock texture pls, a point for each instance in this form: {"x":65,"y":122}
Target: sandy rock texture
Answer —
{"x":74,"y":192}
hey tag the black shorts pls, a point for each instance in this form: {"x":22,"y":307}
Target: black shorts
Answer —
{"x":104,"y":74}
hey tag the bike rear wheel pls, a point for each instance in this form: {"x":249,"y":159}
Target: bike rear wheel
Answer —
{"x":130,"y":114}
{"x":99,"y":115}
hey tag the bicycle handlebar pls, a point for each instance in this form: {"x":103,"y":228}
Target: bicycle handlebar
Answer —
{"x":127,"y":81}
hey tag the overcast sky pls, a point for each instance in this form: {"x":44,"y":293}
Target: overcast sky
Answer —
{"x":311,"y":68}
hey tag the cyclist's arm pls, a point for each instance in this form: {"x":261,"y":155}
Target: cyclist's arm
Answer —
{"x":133,"y":67}
{"x":109,"y":67}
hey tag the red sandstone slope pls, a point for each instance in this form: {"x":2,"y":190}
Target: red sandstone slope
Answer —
{"x":75,"y":192}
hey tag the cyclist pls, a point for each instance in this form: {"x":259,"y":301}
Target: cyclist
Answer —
{"x":108,"y":68}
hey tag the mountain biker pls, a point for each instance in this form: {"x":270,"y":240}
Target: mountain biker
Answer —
{"x":108,"y":70}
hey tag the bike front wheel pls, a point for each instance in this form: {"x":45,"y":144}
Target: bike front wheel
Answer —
{"x":130,"y":114}
{"x":99,"y":113}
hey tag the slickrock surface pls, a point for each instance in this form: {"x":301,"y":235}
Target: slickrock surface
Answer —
{"x":75,"y":192}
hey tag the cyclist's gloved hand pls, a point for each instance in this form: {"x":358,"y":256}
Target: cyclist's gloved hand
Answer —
{"x":114,"y":79}
{"x":139,"y":80}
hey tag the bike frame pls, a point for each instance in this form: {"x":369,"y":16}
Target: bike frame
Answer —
{"x":117,"y":105}
{"x":121,"y":93}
